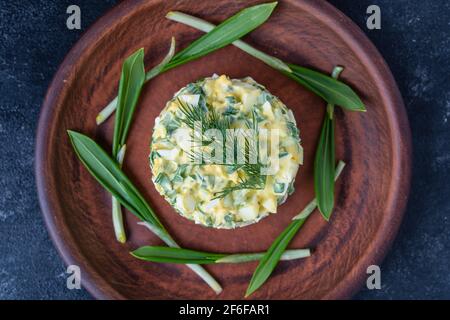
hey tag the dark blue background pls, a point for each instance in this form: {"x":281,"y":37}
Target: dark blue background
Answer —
{"x":415,"y":42}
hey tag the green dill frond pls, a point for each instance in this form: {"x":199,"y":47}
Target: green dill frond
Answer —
{"x":254,"y":183}
{"x":211,"y":119}
{"x":191,"y":114}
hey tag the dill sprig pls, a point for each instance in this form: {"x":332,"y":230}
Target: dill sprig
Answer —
{"x":252,"y":182}
{"x":211,"y":119}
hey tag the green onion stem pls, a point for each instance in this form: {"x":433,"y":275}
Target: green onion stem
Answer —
{"x":107,"y":111}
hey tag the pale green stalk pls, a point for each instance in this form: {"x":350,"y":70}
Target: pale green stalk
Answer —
{"x":117,"y":215}
{"x":246,"y":257}
{"x":107,"y":111}
{"x":156,"y":70}
{"x":335,"y":74}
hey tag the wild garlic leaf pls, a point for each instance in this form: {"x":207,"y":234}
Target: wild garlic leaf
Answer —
{"x":324,"y":86}
{"x":225,"y":33}
{"x":207,"y":27}
{"x":131,"y":81}
{"x":324,"y":168}
{"x":107,"y":172}
{"x":328,"y":88}
{"x":278,"y":248}
{"x":270,"y":260}
{"x":185,"y":256}
{"x":175,"y":255}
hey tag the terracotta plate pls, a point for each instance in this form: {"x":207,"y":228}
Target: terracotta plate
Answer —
{"x":371,"y":195}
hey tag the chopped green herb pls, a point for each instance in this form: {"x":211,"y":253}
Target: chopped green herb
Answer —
{"x":194,"y":88}
{"x":153,"y":156}
{"x":295,"y":133}
{"x":230,"y":111}
{"x":163,"y":180}
{"x":228,"y":218}
{"x":279,"y":188}
{"x":231,"y":100}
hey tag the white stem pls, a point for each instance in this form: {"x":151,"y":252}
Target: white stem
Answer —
{"x":156,"y":70}
{"x":295,"y":254}
{"x":106,"y":112}
{"x":247,"y":257}
{"x":335,"y":74}
{"x":121,"y":155}
{"x":117,"y":218}
{"x":199,"y":270}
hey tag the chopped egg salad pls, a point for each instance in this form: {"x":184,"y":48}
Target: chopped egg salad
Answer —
{"x":191,"y":188}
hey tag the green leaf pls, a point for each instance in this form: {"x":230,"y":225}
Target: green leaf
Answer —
{"x":225,"y":33}
{"x":278,"y":247}
{"x":111,"y":107}
{"x":107,"y":172}
{"x":130,"y":85}
{"x":330,"y":89}
{"x":207,"y":27}
{"x":272,"y":256}
{"x":131,"y":81}
{"x":326,"y":87}
{"x":324,"y":168}
{"x":185,"y":256}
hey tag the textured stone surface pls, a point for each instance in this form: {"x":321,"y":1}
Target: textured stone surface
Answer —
{"x":414,"y":41}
